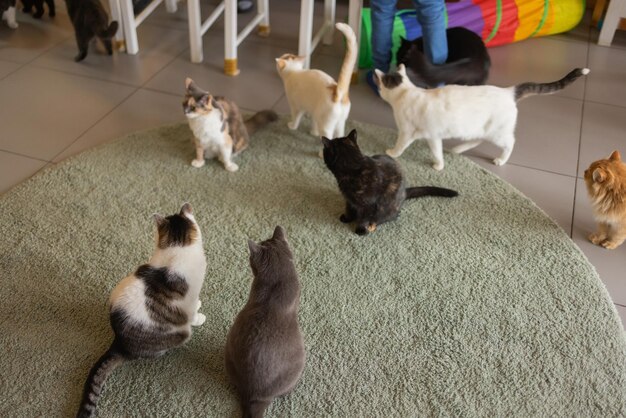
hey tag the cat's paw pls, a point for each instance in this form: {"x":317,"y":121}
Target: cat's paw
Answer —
{"x":232,"y":167}
{"x":81,"y":56}
{"x":198,"y":304}
{"x":13,"y":25}
{"x":198,"y":319}
{"x":610,"y":244}
{"x":499,"y":161}
{"x":293,"y":126}
{"x":361,"y":230}
{"x":596,"y":238}
{"x":197,"y":163}
{"x":344,"y":219}
{"x":371,"y":227}
{"x":392,"y":153}
{"x":438,"y":166}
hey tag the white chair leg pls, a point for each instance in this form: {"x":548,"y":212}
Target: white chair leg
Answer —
{"x":118,"y":39}
{"x":230,"y":38}
{"x":128,"y":23}
{"x":171,"y":6}
{"x":264,"y":9}
{"x":616,"y":10}
{"x":195,"y":31}
{"x":354,"y":20}
{"x":306,"y":31}
{"x":329,"y":19}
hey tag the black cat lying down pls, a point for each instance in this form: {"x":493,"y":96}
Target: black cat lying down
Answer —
{"x":467,"y":64}
{"x":373,"y":187}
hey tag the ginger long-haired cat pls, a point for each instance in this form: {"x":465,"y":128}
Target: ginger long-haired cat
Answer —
{"x":606,"y":184}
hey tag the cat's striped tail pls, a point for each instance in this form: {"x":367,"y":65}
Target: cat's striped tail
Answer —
{"x":524,"y":90}
{"x":415,"y":192}
{"x":95,"y":381}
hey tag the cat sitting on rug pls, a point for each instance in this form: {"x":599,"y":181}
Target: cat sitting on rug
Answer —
{"x":90,"y":20}
{"x":264,"y":347}
{"x":28,"y":6}
{"x":153,"y":309}
{"x":606,"y":184}
{"x":218,"y":127}
{"x":316,"y":93}
{"x":373,"y":187}
{"x":467,"y":64}
{"x":472,"y":114}
{"x":7,"y":12}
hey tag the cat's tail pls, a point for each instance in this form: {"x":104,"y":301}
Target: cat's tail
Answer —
{"x":524,"y":90}
{"x":259,"y":120}
{"x":415,"y":192}
{"x":349,"y":61}
{"x":109,"y":32}
{"x":95,"y":381}
{"x":254,"y":409}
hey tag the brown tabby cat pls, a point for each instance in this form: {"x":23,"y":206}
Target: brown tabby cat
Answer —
{"x":264,"y":348}
{"x":606,"y":184}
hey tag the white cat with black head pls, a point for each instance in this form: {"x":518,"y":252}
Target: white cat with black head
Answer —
{"x":472,"y":114}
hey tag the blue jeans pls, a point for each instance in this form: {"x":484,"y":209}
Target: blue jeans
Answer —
{"x":431,"y":17}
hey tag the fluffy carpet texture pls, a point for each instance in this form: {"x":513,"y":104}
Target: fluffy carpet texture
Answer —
{"x":474,"y":306}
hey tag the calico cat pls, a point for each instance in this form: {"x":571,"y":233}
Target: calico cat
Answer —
{"x":264,"y":347}
{"x":606,"y":183}
{"x":468,"y":61}
{"x":470,"y":113}
{"x":373,"y":187}
{"x":316,"y":93}
{"x":7,"y":12}
{"x":90,"y":20}
{"x":218,"y":127}
{"x":153,"y":309}
{"x":28,"y":6}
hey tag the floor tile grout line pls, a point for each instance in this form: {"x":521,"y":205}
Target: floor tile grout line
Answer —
{"x":95,"y":123}
{"x":619,"y":304}
{"x":90,"y":77}
{"x":489,"y":159}
{"x":25,"y":156}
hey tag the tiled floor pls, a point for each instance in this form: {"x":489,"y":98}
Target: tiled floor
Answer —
{"x":52,"y":108}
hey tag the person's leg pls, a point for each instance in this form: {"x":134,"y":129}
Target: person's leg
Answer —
{"x":432,"y":19}
{"x":383,"y":13}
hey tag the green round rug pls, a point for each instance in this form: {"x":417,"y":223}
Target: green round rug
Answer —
{"x":474,"y":306}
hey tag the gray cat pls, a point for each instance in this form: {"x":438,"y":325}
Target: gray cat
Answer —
{"x":264,"y":348}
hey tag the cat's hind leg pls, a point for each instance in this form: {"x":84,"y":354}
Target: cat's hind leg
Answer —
{"x":505,"y":142}
{"x":9,"y":15}
{"x":437,"y":152}
{"x":466,"y":146}
{"x":225,"y":155}
{"x":38,"y":9}
{"x":296,"y":117}
{"x":83,"y":46}
{"x":51,"y":8}
{"x":504,"y":156}
{"x":403,"y":142}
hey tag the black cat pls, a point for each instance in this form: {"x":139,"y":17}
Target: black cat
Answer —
{"x":28,"y":6}
{"x":90,"y":20}
{"x":373,"y":187}
{"x":468,"y":61}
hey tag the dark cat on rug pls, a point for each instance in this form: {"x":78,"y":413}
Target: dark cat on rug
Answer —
{"x":28,"y":6}
{"x":153,"y":309}
{"x":373,"y":187}
{"x":90,"y":20}
{"x":264,"y":348}
{"x":468,"y":61}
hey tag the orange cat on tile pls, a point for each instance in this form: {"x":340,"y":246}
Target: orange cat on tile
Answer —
{"x":606,"y":184}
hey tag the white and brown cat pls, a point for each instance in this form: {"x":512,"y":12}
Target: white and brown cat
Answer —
{"x":606,"y":183}
{"x":316,"y":93}
{"x":472,"y":114}
{"x":218,"y":126}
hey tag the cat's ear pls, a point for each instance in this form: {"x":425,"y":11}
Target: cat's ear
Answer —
{"x":204,"y":100}
{"x":279,"y":233}
{"x":402,"y":69}
{"x":253,"y":247}
{"x":280,"y":63}
{"x":599,"y":175}
{"x":158,"y":219}
{"x":352,"y":136}
{"x":188,"y":83}
{"x":615,"y":156}
{"x":326,"y":142}
{"x":186,"y":209}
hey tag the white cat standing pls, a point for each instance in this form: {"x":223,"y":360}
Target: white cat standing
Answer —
{"x":316,"y":93}
{"x":470,"y":113}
